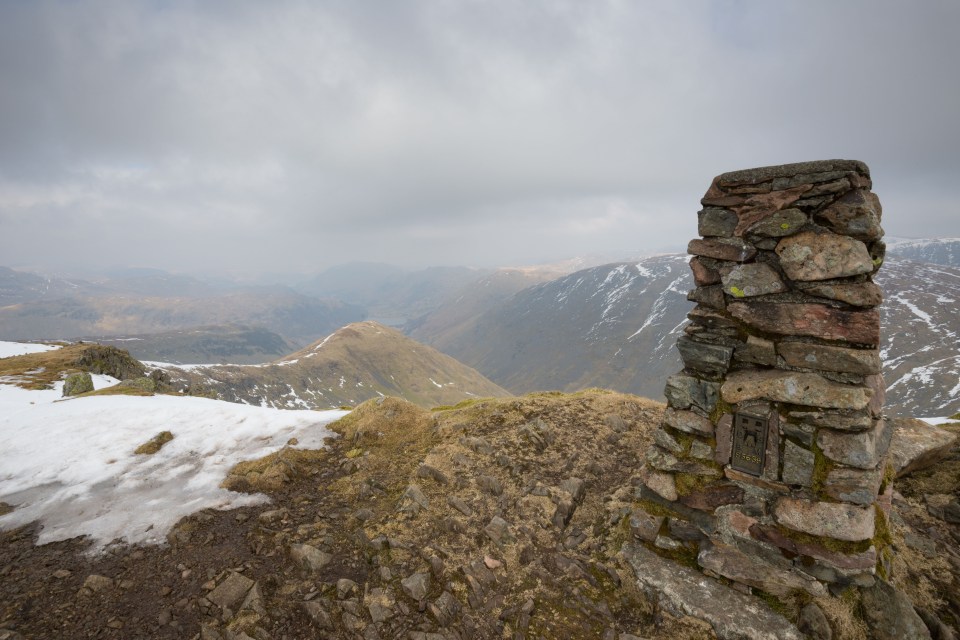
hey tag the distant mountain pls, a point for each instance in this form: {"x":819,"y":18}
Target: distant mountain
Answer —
{"x":298,"y":318}
{"x":615,"y":326}
{"x":389,"y":294}
{"x":214,"y":344}
{"x":936,"y":250}
{"x":460,"y":311}
{"x":360,"y":361}
{"x":17,"y":287}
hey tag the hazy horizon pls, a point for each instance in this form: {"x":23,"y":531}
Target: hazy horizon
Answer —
{"x":251,"y":138}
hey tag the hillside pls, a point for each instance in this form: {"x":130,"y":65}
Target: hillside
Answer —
{"x":215,"y":344}
{"x":294,"y":316}
{"x":509,"y":518}
{"x":944,"y":251}
{"x":615,"y":326}
{"x":355,"y":363}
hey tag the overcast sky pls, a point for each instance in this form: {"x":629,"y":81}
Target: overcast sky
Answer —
{"x":290,"y":136}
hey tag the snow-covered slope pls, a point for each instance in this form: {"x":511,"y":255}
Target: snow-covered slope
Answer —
{"x":615,"y":326}
{"x":936,"y":250}
{"x":71,"y":465}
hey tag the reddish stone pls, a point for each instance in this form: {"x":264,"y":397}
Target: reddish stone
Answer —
{"x":724,"y":439}
{"x":829,"y":358}
{"x":702,"y":274}
{"x":823,"y":256}
{"x":732,"y":249}
{"x":879,"y":386}
{"x":709,"y":498}
{"x":832,"y":520}
{"x":762,"y":205}
{"x":859,"y":294}
{"x":807,"y":319}
{"x":858,"y":561}
{"x":745,"y":478}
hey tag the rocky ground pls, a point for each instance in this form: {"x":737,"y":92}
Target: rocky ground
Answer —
{"x":492,"y":519}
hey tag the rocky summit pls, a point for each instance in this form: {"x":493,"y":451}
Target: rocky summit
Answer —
{"x":499,"y":518}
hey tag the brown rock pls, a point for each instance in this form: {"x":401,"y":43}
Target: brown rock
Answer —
{"x":832,"y":520}
{"x":822,"y":256}
{"x":856,"y":213}
{"x":644,"y":525}
{"x":702,"y":274}
{"x":662,"y":460}
{"x":709,"y":498}
{"x":864,"y":561}
{"x":917,"y":445}
{"x":731,"y":249}
{"x":862,"y":450}
{"x":750,"y":570}
{"x":793,"y":387}
{"x":755,"y":279}
{"x":819,"y":321}
{"x":663,"y":484}
{"x":711,"y":296}
{"x":799,"y":172}
{"x":688,"y":422}
{"x":857,"y":486}
{"x":763,"y":205}
{"x":724,"y":439}
{"x":757,"y":351}
{"x":782,"y":223}
{"x":860,"y":294}
{"x":829,"y":358}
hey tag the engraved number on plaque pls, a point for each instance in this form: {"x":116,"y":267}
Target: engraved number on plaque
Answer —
{"x":749,"y":443}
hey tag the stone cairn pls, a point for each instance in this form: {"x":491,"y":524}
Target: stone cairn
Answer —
{"x":769,"y":468}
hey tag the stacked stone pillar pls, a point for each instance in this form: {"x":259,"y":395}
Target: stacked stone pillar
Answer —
{"x":769,"y":465}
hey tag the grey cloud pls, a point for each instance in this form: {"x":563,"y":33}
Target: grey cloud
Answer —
{"x":298,"y":134}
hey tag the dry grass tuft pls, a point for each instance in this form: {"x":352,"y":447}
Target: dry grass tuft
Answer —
{"x":843,"y":615}
{"x":154,"y":444}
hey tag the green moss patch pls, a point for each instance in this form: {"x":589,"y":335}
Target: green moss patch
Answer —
{"x":154,"y":444}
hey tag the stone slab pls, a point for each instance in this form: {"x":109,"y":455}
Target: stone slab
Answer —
{"x":810,"y":319}
{"x":863,"y":450}
{"x":732,"y":249}
{"x":823,"y":256}
{"x":859,"y":294}
{"x":793,"y":387}
{"x":754,"y":279}
{"x":829,"y":358}
{"x":750,"y":570}
{"x":832,"y":520}
{"x":762,"y":174}
{"x":917,"y":445}
{"x":686,"y":592}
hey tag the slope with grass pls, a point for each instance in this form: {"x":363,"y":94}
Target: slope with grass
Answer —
{"x":357,"y":362}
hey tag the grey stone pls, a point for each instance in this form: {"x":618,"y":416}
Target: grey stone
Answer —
{"x":748,"y":569}
{"x":498,"y":530}
{"x":416,"y":586}
{"x":645,"y":526}
{"x":426,"y":471}
{"x":857,"y":486}
{"x":667,"y":543}
{"x":309,"y":556}
{"x":685,"y":392}
{"x":832,"y":520}
{"x":345,"y":588}
{"x":490,"y":485}
{"x":77,"y":383}
{"x":814,"y":623}
{"x":665,"y":441}
{"x":797,"y":465}
{"x":712,"y":221}
{"x":858,"y":294}
{"x":688,"y":422}
{"x":793,"y":387}
{"x":917,"y":445}
{"x":856,"y":213}
{"x":802,"y":432}
{"x":731,"y":249}
{"x":800,"y":172}
{"x":318,"y":615}
{"x":823,"y":256}
{"x":829,"y":358}
{"x":97,"y":583}
{"x":461,"y":506}
{"x":666,"y":461}
{"x":380,"y":605}
{"x":231,"y":592}
{"x":413,"y":500}
{"x":839,"y":420}
{"x":754,"y":279}
{"x":863,"y":450}
{"x":756,"y":351}
{"x":700,"y":356}
{"x":711,"y":296}
{"x":685,"y":592}
{"x":700,"y":449}
{"x":782,"y":223}
{"x":445,"y":609}
{"x":889,"y":614}
{"x":661,"y":483}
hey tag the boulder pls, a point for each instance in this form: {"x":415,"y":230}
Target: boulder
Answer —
{"x":832,"y":520}
{"x":889,"y":614}
{"x":917,"y":445}
{"x":77,"y":383}
{"x":822,"y":256}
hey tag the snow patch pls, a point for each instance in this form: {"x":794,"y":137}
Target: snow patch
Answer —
{"x":10,"y":349}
